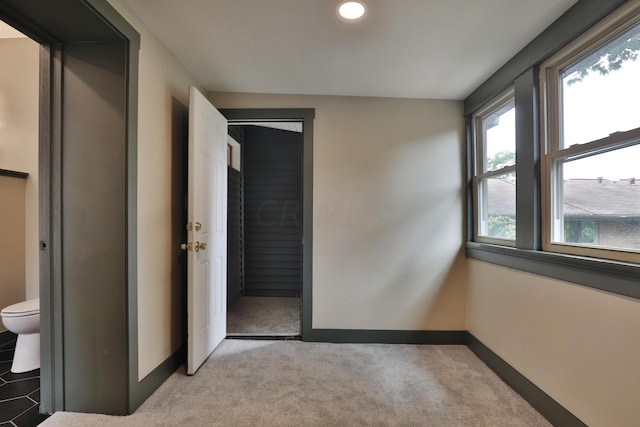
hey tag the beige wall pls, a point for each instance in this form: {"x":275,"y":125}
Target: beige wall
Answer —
{"x":19,"y":103}
{"x":580,"y":345}
{"x":388,"y":209}
{"x":162,"y":83}
{"x":12,"y":242}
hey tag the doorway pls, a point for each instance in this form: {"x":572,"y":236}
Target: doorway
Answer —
{"x":19,"y":106}
{"x":264,"y":266}
{"x":19,"y":252}
{"x":306,"y":117}
{"x":87,"y":188}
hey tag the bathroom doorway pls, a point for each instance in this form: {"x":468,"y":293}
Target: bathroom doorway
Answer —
{"x":265,"y":229}
{"x":19,"y":219}
{"x":88,"y":196}
{"x":19,"y":106}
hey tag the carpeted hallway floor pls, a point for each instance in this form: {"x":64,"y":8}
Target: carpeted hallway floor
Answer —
{"x":292,"y":383}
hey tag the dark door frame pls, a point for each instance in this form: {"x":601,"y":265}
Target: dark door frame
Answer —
{"x":306,"y":116}
{"x":67,"y":32}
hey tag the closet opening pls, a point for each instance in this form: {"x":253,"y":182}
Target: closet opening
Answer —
{"x":265,"y":229}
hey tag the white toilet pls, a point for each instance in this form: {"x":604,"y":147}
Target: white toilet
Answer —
{"x":23,"y":319}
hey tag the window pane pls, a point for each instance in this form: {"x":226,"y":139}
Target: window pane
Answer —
{"x":599,"y":200}
{"x":600,"y":93}
{"x":498,"y":207}
{"x":499,"y":138}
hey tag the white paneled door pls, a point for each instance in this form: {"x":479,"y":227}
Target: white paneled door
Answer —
{"x":207,"y":230}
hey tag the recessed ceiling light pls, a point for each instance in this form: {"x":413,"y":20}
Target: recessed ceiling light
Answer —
{"x":351,"y":10}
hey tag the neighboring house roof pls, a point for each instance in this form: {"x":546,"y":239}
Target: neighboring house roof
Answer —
{"x":583,"y":198}
{"x":590,"y":197}
{"x":502,"y":197}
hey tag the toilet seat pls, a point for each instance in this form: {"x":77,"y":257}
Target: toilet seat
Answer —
{"x":22,"y":309}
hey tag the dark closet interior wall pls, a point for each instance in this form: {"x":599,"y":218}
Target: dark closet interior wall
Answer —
{"x":272,"y":173}
{"x":235,"y":235}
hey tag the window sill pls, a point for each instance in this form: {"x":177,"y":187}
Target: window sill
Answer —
{"x":611,"y":276}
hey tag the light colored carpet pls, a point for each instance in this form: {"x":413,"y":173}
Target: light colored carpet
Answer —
{"x":264,"y":316}
{"x":292,"y":383}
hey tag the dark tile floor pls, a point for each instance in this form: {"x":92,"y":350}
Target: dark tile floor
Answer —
{"x":19,"y":393}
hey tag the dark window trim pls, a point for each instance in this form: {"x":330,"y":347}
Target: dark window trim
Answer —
{"x":521,"y":71}
{"x":575,"y":21}
{"x":612,"y":276}
{"x":528,"y":199}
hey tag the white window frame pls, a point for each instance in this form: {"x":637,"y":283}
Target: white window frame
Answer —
{"x":479,"y":176}
{"x":552,"y":152}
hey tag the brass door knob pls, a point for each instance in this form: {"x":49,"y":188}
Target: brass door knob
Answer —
{"x":200,"y":246}
{"x":197,"y":225}
{"x":186,"y":246}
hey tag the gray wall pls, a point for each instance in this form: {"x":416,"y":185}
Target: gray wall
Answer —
{"x":94,"y":228}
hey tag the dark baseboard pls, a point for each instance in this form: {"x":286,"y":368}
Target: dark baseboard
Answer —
{"x":555,"y":413}
{"x":366,"y":336}
{"x":264,"y":337}
{"x":153,"y":380}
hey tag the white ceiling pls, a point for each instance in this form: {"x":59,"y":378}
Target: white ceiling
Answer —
{"x":439,"y":49}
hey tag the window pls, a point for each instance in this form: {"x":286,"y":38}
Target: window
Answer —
{"x":495,"y":172}
{"x":577,"y":134}
{"x":591,"y":143}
